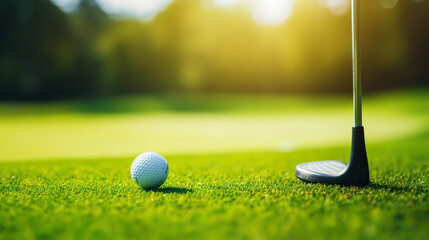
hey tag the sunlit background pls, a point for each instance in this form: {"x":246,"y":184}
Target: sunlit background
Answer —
{"x":85,"y":78}
{"x":73,"y":48}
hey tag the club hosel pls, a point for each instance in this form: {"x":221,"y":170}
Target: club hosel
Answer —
{"x":358,"y":163}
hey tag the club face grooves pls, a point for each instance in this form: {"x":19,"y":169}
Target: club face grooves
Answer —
{"x":356,"y":173}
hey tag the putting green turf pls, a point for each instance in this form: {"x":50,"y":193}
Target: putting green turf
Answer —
{"x":199,"y":124}
{"x":246,"y":195}
{"x":237,"y":196}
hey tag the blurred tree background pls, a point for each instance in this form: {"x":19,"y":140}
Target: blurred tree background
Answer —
{"x":47,"y":53}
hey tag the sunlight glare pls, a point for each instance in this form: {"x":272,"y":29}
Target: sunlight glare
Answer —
{"x":271,"y":12}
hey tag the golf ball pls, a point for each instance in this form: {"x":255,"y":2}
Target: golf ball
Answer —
{"x":149,"y":170}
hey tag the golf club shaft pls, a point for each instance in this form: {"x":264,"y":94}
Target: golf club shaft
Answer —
{"x":357,"y":84}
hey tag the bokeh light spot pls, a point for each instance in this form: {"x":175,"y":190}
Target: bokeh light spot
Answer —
{"x":388,"y":3}
{"x":337,"y":7}
{"x":145,"y":10}
{"x":66,"y":5}
{"x":226,"y":3}
{"x":271,"y":12}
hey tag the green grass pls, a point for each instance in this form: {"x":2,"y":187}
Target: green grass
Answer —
{"x":85,"y":191}
{"x":234,"y":196}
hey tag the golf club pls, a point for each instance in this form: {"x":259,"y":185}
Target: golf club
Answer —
{"x":356,"y":173}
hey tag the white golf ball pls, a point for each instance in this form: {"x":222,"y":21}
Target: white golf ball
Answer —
{"x":149,"y":170}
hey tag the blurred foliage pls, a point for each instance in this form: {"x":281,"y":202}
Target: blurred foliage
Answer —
{"x":46,"y":53}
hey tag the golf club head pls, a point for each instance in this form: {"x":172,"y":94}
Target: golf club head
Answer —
{"x":356,"y":173}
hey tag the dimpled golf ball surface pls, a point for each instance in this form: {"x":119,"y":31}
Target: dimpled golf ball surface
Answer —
{"x":149,"y":170}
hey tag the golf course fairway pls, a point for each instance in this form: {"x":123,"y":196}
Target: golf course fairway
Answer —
{"x":218,"y":193}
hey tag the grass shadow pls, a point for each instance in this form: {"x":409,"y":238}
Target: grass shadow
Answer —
{"x":177,"y":190}
{"x":392,"y":188}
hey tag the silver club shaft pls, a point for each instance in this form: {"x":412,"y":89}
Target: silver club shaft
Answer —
{"x":357,"y":83}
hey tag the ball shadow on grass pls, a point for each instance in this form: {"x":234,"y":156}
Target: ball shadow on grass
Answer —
{"x":177,"y":190}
